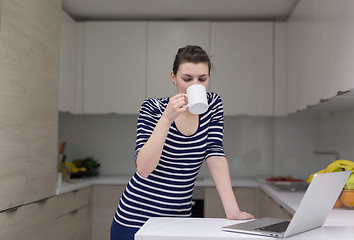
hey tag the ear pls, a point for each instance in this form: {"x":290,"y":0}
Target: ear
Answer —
{"x":173,"y":78}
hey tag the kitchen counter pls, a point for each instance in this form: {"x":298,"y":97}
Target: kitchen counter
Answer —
{"x":210,"y":228}
{"x":75,"y":184}
{"x":339,"y":224}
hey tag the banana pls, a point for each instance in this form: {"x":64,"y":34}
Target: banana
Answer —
{"x":346,"y":164}
{"x":350,"y":182}
{"x":337,"y":166}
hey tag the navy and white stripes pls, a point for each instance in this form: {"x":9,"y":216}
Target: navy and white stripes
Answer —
{"x":168,"y":189}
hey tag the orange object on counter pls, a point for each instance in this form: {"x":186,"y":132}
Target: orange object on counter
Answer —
{"x":338,"y":203}
{"x":347,"y":198}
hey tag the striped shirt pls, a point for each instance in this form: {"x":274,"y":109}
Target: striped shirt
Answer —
{"x":167,"y":191}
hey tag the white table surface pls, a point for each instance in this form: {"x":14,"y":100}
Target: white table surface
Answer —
{"x":210,"y":229}
{"x":339,"y":224}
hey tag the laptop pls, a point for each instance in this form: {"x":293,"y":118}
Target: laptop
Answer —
{"x":312,"y":212}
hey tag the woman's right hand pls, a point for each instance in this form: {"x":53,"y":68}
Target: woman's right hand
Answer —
{"x":175,"y":107}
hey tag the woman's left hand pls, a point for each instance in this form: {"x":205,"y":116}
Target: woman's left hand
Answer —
{"x":240,"y":216}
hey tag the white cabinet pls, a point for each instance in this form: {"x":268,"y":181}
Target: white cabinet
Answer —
{"x":68,"y":67}
{"x":243,"y":61}
{"x":114,"y":67}
{"x":342,"y":42}
{"x":320,"y":49}
{"x":125,"y":62}
{"x":164,"y":39}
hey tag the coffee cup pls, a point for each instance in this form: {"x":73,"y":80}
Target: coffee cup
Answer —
{"x":197,"y":99}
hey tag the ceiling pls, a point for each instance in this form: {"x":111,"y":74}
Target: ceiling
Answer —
{"x":179,"y":9}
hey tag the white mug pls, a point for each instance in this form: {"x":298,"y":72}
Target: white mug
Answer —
{"x":197,"y":99}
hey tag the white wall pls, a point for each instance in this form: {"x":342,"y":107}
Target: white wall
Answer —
{"x":255,"y":146}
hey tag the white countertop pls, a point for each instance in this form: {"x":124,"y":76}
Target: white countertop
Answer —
{"x":210,"y":228}
{"x":75,"y":184}
{"x":339,"y":224}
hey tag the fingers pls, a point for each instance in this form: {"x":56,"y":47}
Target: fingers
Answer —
{"x":178,"y":101}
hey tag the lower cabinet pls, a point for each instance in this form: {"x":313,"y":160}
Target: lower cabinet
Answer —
{"x":87,"y":213}
{"x":39,"y":219}
{"x":270,"y":208}
{"x":104,"y":203}
{"x":73,"y":215}
{"x":74,"y":225}
{"x":213,"y":208}
{"x":10,"y":224}
{"x":252,"y":200}
{"x":34,"y":221}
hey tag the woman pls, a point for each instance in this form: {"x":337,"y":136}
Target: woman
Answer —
{"x":171,"y":145}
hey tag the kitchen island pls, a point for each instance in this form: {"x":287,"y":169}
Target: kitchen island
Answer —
{"x":339,"y":224}
{"x":210,"y":228}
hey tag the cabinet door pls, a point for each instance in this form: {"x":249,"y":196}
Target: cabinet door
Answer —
{"x":114,"y":67}
{"x":73,"y":226}
{"x":164,"y":39}
{"x":68,"y":67}
{"x":243,"y":66}
{"x":29,"y":97}
{"x":213,"y":207}
{"x":269,"y":208}
{"x":342,"y":33}
{"x":104,"y":204}
{"x":11,"y":224}
{"x":243,"y":61}
{"x":71,"y":201}
{"x":39,"y":220}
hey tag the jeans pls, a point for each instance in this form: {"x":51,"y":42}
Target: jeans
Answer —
{"x":120,"y":232}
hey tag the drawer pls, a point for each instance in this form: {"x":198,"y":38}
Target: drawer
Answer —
{"x":10,"y":224}
{"x":74,"y":225}
{"x":105,"y":199}
{"x":71,"y":201}
{"x":39,"y":218}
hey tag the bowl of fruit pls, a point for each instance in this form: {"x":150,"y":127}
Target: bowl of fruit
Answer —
{"x":346,"y":198}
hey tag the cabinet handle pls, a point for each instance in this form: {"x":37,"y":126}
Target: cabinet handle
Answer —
{"x":341,"y":92}
{"x":10,"y":210}
{"x":73,"y":211}
{"x":42,"y":201}
{"x":323,"y":100}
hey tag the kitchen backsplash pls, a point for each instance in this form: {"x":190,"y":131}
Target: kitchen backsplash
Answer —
{"x":255,"y":146}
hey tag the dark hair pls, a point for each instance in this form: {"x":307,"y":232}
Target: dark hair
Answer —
{"x":190,"y":53}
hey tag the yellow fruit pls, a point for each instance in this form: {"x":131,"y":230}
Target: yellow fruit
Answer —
{"x":72,"y":167}
{"x":83,"y":169}
{"x":350,"y":182}
{"x":336,"y":166}
{"x":309,"y":179}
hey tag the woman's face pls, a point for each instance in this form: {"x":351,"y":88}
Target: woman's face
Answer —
{"x":191,"y":73}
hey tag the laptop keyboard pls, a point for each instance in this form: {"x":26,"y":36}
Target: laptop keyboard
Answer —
{"x":278,"y":227}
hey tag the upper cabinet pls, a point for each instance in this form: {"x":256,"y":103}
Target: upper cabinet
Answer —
{"x":164,"y":39}
{"x":114,"y":67}
{"x":242,"y":55}
{"x":68,"y":60}
{"x":122,"y":63}
{"x":320,"y":50}
{"x":29,"y":63}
